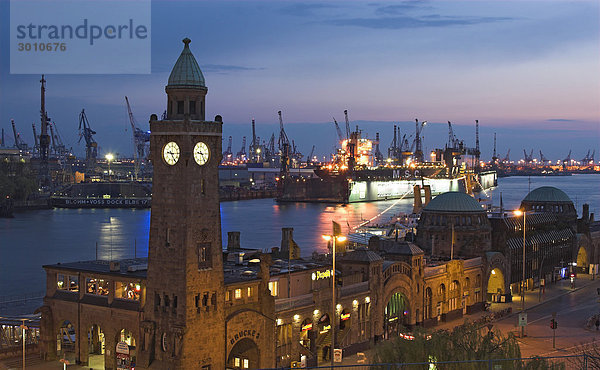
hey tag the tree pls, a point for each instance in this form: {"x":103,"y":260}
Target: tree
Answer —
{"x":590,"y":358}
{"x":468,"y":342}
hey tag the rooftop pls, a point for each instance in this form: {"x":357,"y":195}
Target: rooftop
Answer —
{"x":547,"y":194}
{"x":453,"y":201}
{"x":186,"y":72}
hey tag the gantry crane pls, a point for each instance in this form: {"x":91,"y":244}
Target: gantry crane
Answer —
{"x":418,"y":143}
{"x":338,"y":130}
{"x":348,"y":132}
{"x":19,"y":143}
{"x":91,"y":146}
{"x":141,"y":139}
{"x":284,"y":148}
{"x":227,"y":154}
{"x":241,"y":155}
{"x":44,"y":174}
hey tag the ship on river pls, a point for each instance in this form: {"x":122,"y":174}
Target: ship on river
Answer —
{"x":358,"y":172}
{"x":114,"y":194}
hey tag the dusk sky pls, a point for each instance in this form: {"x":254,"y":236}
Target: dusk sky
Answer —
{"x":528,"y":70}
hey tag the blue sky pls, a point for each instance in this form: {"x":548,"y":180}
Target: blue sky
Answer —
{"x":528,"y":70}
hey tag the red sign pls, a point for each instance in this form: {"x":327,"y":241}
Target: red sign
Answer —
{"x":307,"y":327}
{"x":345,"y":316}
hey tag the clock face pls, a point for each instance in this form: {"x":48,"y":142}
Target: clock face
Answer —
{"x":201,"y":153}
{"x":171,"y":153}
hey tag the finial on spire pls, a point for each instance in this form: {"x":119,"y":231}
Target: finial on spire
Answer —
{"x":186,"y":41}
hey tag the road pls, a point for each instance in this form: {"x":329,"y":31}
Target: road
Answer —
{"x":573,"y":309}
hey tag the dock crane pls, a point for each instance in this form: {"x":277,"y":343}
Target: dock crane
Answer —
{"x":19,"y":143}
{"x":506,"y":158}
{"x":141,"y":139}
{"x":452,"y":140}
{"x":227,"y":154}
{"x":347,"y":124}
{"x":254,"y":148}
{"x":418,"y":140}
{"x":378,"y":155}
{"x":241,"y":155}
{"x":338,"y":130}
{"x":591,"y":158}
{"x":567,"y":160}
{"x":44,"y":175}
{"x":586,"y":159}
{"x":528,"y":158}
{"x":36,"y":140}
{"x":91,"y":146}
{"x":284,"y":148}
{"x":543,"y":159}
{"x":494,"y":155}
{"x":309,"y":159}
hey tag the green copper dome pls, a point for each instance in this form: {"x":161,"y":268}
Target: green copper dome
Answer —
{"x":547,"y":194}
{"x":186,"y":72}
{"x":453,"y":201}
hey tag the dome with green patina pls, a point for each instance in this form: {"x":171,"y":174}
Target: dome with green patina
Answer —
{"x":453,"y":201}
{"x":186,"y":72}
{"x":547,"y":194}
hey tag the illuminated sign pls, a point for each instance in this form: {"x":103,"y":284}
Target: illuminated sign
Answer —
{"x":318,"y":275}
{"x":307,"y":327}
{"x":345,"y":316}
{"x":325,"y":329}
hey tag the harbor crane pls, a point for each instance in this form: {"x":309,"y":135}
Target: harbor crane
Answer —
{"x":254,"y":149}
{"x":494,"y":155}
{"x":378,"y":155}
{"x":241,"y":155}
{"x":227,"y":154}
{"x":141,"y":140}
{"x":309,"y":159}
{"x":528,"y":158}
{"x":418,"y":140}
{"x":588,"y":158}
{"x":36,"y":141}
{"x":348,"y":132}
{"x":19,"y":143}
{"x":44,"y":175}
{"x":284,"y":148}
{"x":338,"y":130}
{"x":567,"y":160}
{"x":543,"y":159}
{"x":506,"y":158}
{"x":91,"y":146}
{"x":452,"y":140}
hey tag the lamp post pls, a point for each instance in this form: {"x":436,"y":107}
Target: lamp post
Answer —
{"x":333,"y":238}
{"x":109,"y":157}
{"x":24,"y":336}
{"x":519,"y":212}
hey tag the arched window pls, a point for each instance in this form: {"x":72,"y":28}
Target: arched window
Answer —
{"x":454,"y":295}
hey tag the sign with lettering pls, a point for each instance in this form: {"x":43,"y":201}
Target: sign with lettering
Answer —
{"x":307,"y":327}
{"x":123,"y":348}
{"x":345,"y":316}
{"x":318,"y":275}
{"x":246,"y":333}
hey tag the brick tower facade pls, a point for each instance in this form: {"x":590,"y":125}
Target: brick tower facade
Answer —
{"x":184,"y":318}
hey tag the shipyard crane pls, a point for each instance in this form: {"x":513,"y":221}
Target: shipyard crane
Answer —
{"x":254,"y":148}
{"x":568,"y":159}
{"x":284,"y":147}
{"x":91,"y":146}
{"x":347,"y":124}
{"x":506,"y":158}
{"x":270,"y":147}
{"x":141,"y":139}
{"x":310,"y":156}
{"x":338,"y":130}
{"x":36,"y":142}
{"x":494,"y":155}
{"x":528,"y":158}
{"x":227,"y":154}
{"x":241,"y":155}
{"x":393,"y":149}
{"x":587,"y":157}
{"x":44,"y":175}
{"x":52,"y":138}
{"x":452,"y":140}
{"x":378,"y":155}
{"x":19,"y":143}
{"x":418,"y":140}
{"x":591,"y":158}
{"x":543,"y":159}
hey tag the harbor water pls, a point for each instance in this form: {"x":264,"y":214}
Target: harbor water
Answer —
{"x":35,"y":238}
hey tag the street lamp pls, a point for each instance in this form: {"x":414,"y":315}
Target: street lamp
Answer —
{"x":519,"y":212}
{"x":341,"y":239}
{"x":109,"y":157}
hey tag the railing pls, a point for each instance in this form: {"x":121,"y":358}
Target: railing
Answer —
{"x":582,"y":362}
{"x":354,"y":289}
{"x":294,"y":302}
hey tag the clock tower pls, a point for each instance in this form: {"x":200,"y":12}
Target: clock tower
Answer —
{"x":184,"y":317}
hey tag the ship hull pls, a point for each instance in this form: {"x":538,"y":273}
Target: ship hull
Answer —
{"x":345,"y":190}
{"x":74,"y":202}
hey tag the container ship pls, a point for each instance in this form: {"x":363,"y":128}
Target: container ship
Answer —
{"x":358,"y":172}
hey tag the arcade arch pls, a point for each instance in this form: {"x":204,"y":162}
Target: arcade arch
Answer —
{"x":582,"y":260}
{"x":96,"y":347}
{"x":244,"y":355}
{"x":126,"y":351}
{"x":66,"y":340}
{"x":396,"y":314}
{"x":496,"y":283}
